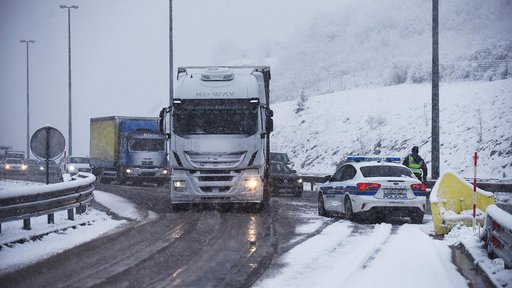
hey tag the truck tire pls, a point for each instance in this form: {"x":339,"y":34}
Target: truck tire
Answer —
{"x":177,"y":207}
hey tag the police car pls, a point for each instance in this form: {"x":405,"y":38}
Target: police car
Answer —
{"x":373,"y":187}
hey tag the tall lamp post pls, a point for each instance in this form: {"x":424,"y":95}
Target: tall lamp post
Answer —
{"x":70,"y":141}
{"x":27,"y":42}
{"x":435,"y":90}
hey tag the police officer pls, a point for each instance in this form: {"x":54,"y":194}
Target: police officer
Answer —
{"x":416,"y":164}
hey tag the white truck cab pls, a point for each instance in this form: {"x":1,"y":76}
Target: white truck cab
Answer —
{"x":219,"y":128}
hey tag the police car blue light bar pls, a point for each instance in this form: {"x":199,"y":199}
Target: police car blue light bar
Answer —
{"x":369,"y":158}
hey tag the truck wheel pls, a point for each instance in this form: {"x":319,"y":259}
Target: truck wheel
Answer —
{"x":179,"y":207}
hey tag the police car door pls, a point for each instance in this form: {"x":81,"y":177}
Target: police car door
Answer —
{"x":333,"y":191}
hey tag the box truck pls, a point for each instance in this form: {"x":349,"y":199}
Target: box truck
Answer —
{"x":128,"y":149}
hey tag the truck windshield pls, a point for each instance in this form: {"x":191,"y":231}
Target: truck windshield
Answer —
{"x":151,"y":145}
{"x":233,"y":116}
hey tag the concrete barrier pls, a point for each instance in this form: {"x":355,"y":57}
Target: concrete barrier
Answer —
{"x":452,"y":203}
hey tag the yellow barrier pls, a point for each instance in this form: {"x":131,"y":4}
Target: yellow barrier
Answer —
{"x":451,"y":201}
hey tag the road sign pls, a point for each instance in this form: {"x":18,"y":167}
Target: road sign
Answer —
{"x":47,"y":143}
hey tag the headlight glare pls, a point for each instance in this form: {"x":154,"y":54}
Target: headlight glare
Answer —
{"x":251,"y":184}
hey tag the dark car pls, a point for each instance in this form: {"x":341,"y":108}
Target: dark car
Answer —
{"x":38,"y":167}
{"x":34,"y":166}
{"x":281,"y":157}
{"x":284,"y":180}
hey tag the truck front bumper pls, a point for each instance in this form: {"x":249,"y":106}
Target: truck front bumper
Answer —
{"x":202,"y":187}
{"x":145,"y":174}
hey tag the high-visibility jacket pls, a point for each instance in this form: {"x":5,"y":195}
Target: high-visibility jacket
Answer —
{"x":414,"y":166}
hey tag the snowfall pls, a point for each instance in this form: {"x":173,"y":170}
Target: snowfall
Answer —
{"x":394,"y":256}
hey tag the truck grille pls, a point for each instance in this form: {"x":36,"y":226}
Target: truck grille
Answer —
{"x":215,"y":160}
{"x":215,"y":181}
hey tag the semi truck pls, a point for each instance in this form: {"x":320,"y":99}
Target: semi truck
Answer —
{"x":219,"y":125}
{"x":128,"y":149}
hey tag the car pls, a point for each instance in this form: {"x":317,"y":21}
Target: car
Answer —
{"x":53,"y":168}
{"x":15,"y":166}
{"x":34,"y":166}
{"x":284,"y":180}
{"x":281,"y":157}
{"x":75,"y":164}
{"x":372,"y":188}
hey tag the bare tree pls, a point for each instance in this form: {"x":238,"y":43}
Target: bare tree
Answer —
{"x":301,"y":103}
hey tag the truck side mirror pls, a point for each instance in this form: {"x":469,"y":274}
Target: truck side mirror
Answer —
{"x":163,"y":121}
{"x":270,"y":125}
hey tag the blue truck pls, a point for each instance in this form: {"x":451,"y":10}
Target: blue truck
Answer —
{"x":128,"y":149}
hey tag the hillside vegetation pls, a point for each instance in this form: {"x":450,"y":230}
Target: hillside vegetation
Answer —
{"x":388,"y":121}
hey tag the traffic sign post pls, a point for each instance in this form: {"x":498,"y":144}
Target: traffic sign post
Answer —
{"x":47,"y":144}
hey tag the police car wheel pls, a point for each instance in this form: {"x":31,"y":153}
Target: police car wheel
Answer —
{"x":349,"y":212}
{"x":417,"y":218}
{"x":321,"y":206}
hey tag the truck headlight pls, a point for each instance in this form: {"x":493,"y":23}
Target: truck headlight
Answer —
{"x":24,"y":167}
{"x":129,"y":171}
{"x":7,"y":166}
{"x":251,"y":184}
{"x":71,"y":168}
{"x":299,"y":180}
{"x":165,"y":171}
{"x":179,"y":185}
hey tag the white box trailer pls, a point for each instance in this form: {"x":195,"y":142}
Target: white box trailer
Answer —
{"x":219,"y":128}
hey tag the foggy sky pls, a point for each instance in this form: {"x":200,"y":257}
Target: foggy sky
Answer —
{"x":120,"y":54}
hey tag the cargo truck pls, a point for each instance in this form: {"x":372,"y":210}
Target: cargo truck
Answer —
{"x":128,"y":149}
{"x":219,"y":128}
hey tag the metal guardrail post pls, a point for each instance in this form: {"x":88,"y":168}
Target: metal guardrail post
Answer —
{"x":51,"y":218}
{"x":26,"y":224}
{"x":71,"y":214}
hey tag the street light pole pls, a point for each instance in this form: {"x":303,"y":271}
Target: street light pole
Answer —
{"x":70,"y":135}
{"x":28,"y":98}
{"x":435,"y":90}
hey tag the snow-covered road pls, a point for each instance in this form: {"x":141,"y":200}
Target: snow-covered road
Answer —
{"x":355,"y":255}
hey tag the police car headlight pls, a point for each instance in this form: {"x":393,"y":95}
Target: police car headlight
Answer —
{"x":299,"y":180}
{"x":251,"y":184}
{"x":165,"y":171}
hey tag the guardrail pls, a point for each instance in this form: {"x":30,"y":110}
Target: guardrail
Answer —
{"x":498,"y":236}
{"x":483,"y":184}
{"x":28,"y":202}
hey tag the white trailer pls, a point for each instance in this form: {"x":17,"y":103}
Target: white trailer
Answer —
{"x":219,"y":128}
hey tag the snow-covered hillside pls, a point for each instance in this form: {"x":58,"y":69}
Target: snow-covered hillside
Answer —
{"x":390,"y":120}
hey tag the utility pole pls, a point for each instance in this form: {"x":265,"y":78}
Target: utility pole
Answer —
{"x":435,"y":89}
{"x":171,"y":64}
{"x":28,"y":99}
{"x":70,"y":135}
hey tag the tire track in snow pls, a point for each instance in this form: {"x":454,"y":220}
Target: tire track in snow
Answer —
{"x":340,"y":250}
